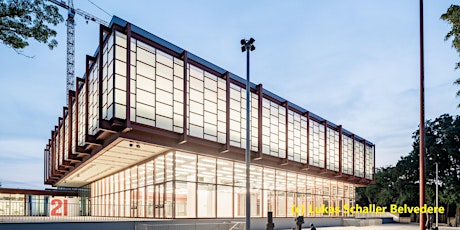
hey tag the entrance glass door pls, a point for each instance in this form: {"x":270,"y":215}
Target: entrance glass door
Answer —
{"x":159,"y":201}
{"x":134,"y":202}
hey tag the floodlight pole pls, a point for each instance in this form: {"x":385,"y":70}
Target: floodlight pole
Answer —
{"x":437,"y":183}
{"x":422,"y":150}
{"x":248,"y":145}
{"x":247,"y":45}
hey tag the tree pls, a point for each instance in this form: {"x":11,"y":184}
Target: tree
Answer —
{"x":400,"y":184}
{"x":382,"y":192}
{"x":443,"y":147}
{"x":452,"y":16}
{"x":24,"y":19}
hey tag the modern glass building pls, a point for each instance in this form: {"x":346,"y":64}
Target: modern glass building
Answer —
{"x":155,"y":131}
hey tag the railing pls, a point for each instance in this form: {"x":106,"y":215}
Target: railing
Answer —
{"x":62,"y":210}
{"x":192,"y":226}
{"x":44,"y":219}
{"x":55,"y":211}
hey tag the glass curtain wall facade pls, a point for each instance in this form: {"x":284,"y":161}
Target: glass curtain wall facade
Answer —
{"x":188,"y":185}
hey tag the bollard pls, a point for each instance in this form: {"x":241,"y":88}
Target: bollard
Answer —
{"x":270,"y":224}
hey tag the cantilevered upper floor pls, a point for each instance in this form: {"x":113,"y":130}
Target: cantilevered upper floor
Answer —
{"x":141,"y":96}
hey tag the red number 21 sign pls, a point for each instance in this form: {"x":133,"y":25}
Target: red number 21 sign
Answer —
{"x":59,"y":207}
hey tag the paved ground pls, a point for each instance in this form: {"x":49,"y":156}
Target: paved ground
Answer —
{"x":385,"y":227}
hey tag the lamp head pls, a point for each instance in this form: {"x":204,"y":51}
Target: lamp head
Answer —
{"x":247,"y":44}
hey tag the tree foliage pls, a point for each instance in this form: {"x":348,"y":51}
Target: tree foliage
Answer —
{"x":400,"y":184}
{"x":24,"y":19}
{"x":452,"y":16}
{"x":382,"y":192}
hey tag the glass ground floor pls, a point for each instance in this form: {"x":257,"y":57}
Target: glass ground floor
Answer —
{"x":185,"y":185}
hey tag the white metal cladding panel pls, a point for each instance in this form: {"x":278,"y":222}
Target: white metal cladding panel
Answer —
{"x":74,"y":128}
{"x":332,"y":150}
{"x":238,"y":117}
{"x":273,"y":129}
{"x":369,"y":162}
{"x":347,"y":155}
{"x":61,"y":145}
{"x":108,"y":79}
{"x":157,"y":99}
{"x":316,"y":144}
{"x":117,"y":82}
{"x":93,"y":98}
{"x":156,"y":87}
{"x":157,"y":96}
{"x":81,"y":115}
{"x":56,"y":151}
{"x":297,"y":137}
{"x":359,"y":159}
{"x":65,"y":137}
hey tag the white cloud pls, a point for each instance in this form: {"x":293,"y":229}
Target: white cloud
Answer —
{"x":21,"y":162}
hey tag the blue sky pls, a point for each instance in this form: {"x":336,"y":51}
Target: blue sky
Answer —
{"x":353,"y":62}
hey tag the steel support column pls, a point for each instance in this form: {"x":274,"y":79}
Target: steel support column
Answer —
{"x":77,"y":107}
{"x":373,"y":176}
{"x":100,"y":73}
{"x":325,"y":145}
{"x":70,"y":130}
{"x":89,"y":60}
{"x":260,"y":109}
{"x":184,"y":57}
{"x":286,"y":133}
{"x":340,"y":149}
{"x":353,"y":168}
{"x":53,"y":153}
{"x":307,"y":114}
{"x":128,"y":77}
{"x":364,"y":150}
{"x":227,"y":112}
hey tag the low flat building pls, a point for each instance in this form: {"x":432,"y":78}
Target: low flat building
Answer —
{"x":155,"y":131}
{"x":30,"y":202}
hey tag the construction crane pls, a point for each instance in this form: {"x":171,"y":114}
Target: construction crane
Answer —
{"x":70,"y":22}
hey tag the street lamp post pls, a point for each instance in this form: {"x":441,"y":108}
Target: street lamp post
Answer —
{"x":247,"y":46}
{"x":437,"y":182}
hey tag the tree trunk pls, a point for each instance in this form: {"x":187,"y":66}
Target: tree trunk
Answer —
{"x":442,"y":218}
{"x":457,"y":217}
{"x":447,"y":215}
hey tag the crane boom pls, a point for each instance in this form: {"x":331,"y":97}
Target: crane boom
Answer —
{"x":90,"y":17}
{"x":70,"y":22}
{"x":80,"y":12}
